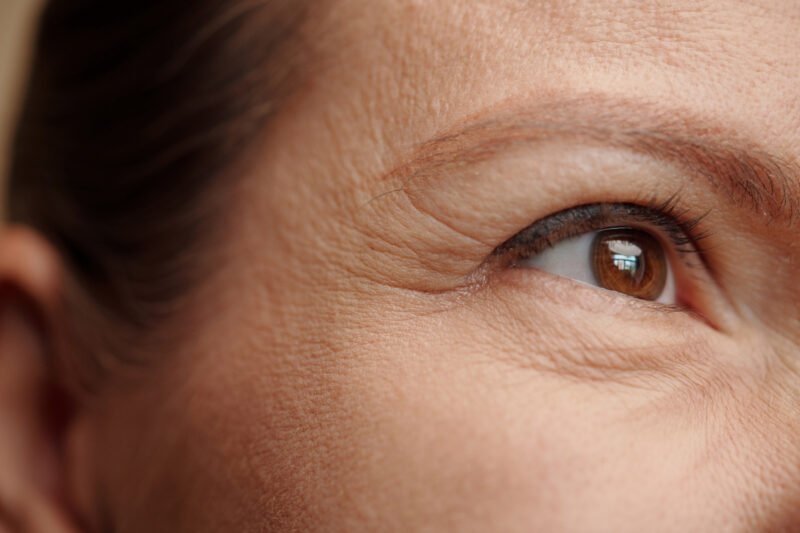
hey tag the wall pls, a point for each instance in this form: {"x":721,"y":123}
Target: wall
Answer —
{"x":17,"y":18}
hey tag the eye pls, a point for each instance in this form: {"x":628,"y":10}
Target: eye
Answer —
{"x":623,"y":259}
{"x":632,"y":249}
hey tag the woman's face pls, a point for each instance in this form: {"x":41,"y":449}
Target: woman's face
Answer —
{"x":384,"y":347}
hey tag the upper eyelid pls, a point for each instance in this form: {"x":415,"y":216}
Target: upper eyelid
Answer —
{"x":592,"y":217}
{"x":747,"y":176}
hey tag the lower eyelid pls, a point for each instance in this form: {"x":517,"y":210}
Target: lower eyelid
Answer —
{"x":552,"y":289}
{"x":598,"y":335}
{"x":581,"y":246}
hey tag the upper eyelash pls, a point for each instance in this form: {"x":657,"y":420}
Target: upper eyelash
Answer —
{"x":692,"y":233}
{"x":683,"y":230}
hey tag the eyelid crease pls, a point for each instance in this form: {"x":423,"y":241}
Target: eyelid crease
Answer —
{"x":747,"y":175}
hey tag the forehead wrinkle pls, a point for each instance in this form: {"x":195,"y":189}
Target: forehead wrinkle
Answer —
{"x":695,"y":36}
{"x":742,"y":171}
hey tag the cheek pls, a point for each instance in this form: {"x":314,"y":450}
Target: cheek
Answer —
{"x":399,"y":425}
{"x":439,"y":435}
{"x":451,"y":420}
{"x":428,"y":438}
{"x":435,"y":422}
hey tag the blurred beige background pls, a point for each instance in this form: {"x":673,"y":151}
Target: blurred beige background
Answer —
{"x":16,"y":32}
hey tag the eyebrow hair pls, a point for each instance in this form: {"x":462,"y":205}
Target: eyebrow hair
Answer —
{"x":745,"y":173}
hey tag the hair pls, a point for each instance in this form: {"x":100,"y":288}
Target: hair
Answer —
{"x":136,"y":115}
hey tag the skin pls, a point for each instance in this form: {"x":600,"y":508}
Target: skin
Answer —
{"x":358,"y":361}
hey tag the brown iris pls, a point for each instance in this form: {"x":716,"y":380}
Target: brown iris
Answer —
{"x":629,"y":261}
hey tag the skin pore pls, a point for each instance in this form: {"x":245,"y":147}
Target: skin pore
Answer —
{"x":358,"y":359}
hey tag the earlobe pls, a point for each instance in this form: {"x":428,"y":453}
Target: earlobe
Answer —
{"x":33,"y":406}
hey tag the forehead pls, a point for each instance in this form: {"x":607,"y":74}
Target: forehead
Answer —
{"x":442,"y":60}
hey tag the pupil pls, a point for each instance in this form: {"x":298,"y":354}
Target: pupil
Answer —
{"x":627,"y":258}
{"x":629,"y":261}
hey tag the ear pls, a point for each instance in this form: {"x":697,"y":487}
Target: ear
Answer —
{"x":35,"y":411}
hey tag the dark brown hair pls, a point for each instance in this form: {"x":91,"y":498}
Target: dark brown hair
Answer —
{"x":136,"y":114}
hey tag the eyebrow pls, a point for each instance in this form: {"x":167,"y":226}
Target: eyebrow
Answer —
{"x":746,"y":174}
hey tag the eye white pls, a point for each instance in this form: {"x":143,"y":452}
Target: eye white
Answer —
{"x":572,"y":258}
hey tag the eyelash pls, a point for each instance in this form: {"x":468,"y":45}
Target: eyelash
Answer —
{"x":683,"y":231}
